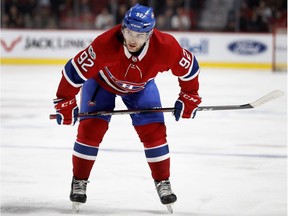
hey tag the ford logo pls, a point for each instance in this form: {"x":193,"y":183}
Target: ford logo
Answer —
{"x":247,"y":47}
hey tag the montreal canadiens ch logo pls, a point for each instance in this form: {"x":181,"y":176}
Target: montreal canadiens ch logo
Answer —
{"x":121,"y":85}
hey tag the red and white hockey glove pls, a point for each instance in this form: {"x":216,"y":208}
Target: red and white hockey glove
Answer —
{"x":186,"y":105}
{"x":66,"y":111}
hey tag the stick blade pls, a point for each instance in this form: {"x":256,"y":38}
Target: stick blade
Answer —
{"x":268,"y":97}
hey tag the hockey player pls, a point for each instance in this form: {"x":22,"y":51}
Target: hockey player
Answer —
{"x":124,"y":61}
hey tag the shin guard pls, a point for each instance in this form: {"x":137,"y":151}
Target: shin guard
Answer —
{"x":153,"y":137}
{"x":90,"y":134}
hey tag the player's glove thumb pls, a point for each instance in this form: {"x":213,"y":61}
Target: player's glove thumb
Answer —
{"x":186,"y":105}
{"x":66,"y":111}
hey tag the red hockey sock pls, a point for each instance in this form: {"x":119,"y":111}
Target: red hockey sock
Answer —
{"x":90,"y":135}
{"x":160,"y":170}
{"x":153,"y":136}
{"x":81,"y":167}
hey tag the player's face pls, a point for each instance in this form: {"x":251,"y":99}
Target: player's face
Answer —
{"x":134,"y":40}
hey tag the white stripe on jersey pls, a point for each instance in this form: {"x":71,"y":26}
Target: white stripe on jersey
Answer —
{"x":70,"y":81}
{"x":110,"y":84}
{"x":78,"y":71}
{"x":189,"y":78}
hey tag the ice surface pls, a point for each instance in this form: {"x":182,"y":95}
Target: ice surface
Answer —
{"x":224,"y":163}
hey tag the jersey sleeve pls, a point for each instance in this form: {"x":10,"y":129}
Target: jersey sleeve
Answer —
{"x":189,"y":82}
{"x":185,"y":66}
{"x":77,"y":70}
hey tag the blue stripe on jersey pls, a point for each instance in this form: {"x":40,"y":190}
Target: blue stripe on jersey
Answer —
{"x":194,"y":70}
{"x":85,"y":149}
{"x":157,"y":152}
{"x":72,"y":73}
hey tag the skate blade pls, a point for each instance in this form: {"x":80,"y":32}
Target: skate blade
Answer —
{"x":169,"y":208}
{"x":76,"y":206}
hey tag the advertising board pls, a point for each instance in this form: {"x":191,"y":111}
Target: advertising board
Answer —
{"x":220,"y":50}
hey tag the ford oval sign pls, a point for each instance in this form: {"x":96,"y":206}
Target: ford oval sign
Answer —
{"x":247,"y":47}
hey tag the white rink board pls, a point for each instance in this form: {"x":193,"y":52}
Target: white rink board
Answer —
{"x":212,"y":49}
{"x":45,"y":43}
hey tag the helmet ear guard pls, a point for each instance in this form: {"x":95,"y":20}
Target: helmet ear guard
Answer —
{"x":139,"y":18}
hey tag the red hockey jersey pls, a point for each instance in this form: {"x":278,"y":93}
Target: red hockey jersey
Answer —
{"x":108,"y":61}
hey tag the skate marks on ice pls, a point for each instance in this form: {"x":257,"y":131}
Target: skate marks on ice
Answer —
{"x":208,"y":194}
{"x":10,"y":209}
{"x":44,"y":209}
{"x":55,"y":209}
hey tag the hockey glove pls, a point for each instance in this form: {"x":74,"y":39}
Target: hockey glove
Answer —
{"x":66,"y":111}
{"x":186,"y":105}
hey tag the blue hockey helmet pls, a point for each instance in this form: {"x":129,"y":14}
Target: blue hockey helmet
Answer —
{"x":139,"y":18}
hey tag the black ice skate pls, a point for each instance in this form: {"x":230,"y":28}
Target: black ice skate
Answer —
{"x":78,"y":193}
{"x":167,"y":197}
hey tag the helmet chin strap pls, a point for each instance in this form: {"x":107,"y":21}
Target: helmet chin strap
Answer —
{"x":149,"y":35}
{"x":124,"y":40}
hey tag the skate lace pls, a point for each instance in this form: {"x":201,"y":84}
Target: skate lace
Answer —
{"x":163,"y":188}
{"x":79,"y":186}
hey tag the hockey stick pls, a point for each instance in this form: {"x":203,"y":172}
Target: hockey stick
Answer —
{"x":266,"y":98}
